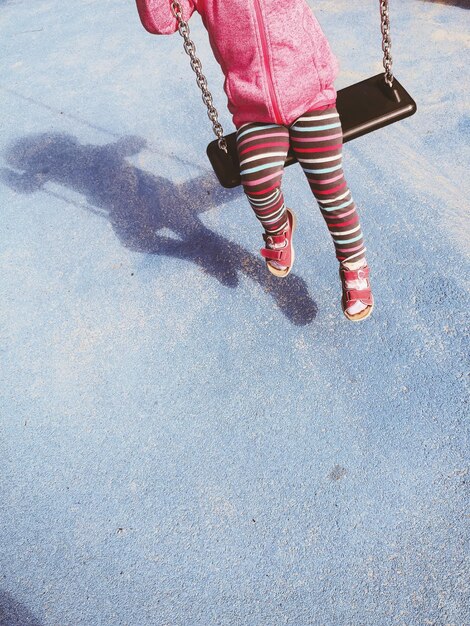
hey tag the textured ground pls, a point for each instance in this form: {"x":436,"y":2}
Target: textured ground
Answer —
{"x":185,"y":441}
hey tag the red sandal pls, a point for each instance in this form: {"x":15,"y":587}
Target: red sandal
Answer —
{"x":285,"y":255}
{"x":352,"y":295}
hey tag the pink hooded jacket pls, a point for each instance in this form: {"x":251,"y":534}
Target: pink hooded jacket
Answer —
{"x":275,"y":58}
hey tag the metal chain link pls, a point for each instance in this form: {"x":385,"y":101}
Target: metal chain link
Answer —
{"x":196,"y":65}
{"x":386,"y":41}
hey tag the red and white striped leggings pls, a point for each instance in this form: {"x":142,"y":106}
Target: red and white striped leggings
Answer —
{"x":317,"y":140}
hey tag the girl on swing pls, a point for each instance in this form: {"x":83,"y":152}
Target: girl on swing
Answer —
{"x":279,"y":79}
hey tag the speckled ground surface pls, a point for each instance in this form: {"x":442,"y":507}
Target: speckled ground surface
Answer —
{"x":185,"y":441}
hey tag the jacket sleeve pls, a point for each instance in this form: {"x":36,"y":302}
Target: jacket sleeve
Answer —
{"x":157,"y":18}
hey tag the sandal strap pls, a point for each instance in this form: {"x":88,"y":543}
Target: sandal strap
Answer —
{"x":351,"y":295}
{"x":274,"y":255}
{"x":360,"y":273}
{"x":275,"y":239}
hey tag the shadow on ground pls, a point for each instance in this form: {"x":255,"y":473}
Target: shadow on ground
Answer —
{"x":150,"y":214}
{"x":12,"y":613}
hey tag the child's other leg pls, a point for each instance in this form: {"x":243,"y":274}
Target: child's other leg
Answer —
{"x":262,"y":151}
{"x":317,"y":140}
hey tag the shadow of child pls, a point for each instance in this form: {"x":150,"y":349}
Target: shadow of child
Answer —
{"x":139,"y":205}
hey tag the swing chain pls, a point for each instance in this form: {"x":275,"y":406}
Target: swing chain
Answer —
{"x":190,"y":49}
{"x":386,"y":41}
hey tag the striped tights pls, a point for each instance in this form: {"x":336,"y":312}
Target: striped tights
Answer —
{"x":316,"y":139}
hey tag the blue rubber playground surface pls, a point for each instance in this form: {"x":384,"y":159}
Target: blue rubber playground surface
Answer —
{"x":186,"y":440}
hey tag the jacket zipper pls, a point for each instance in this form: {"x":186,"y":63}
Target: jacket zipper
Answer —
{"x":272,"y":91}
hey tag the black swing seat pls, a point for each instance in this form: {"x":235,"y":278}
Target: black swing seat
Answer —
{"x":362,"y":107}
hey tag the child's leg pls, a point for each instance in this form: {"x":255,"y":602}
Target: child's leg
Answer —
{"x":317,"y":139}
{"x":262,"y":150}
